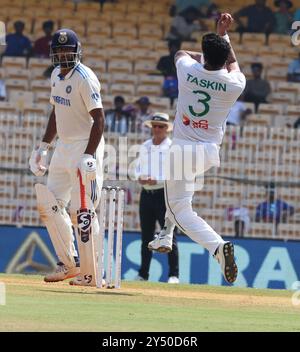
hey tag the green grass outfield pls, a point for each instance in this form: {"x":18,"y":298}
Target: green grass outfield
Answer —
{"x":32,"y":305}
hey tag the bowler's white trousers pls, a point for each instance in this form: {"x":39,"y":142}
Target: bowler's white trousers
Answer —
{"x":179,"y":192}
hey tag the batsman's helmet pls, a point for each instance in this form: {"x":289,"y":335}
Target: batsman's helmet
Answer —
{"x":65,"y":39}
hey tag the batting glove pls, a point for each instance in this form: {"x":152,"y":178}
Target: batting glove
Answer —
{"x":87,"y":168}
{"x":38,"y":159}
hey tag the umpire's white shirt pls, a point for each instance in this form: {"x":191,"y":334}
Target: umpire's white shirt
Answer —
{"x":151,"y":162}
{"x":74,"y":96}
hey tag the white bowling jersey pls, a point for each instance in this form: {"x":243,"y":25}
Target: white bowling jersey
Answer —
{"x":74,"y":96}
{"x":204,"y":101}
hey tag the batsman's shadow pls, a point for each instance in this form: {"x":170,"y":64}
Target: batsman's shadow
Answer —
{"x":98,"y":292}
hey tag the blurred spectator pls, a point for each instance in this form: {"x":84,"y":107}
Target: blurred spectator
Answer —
{"x":293,"y":74}
{"x":170,"y":88}
{"x":283,"y":17}
{"x":213,"y":13}
{"x":257,"y":89}
{"x":273,"y":209}
{"x":238,"y":113}
{"x":2,"y":90}
{"x":296,"y":124}
{"x":183,"y":26}
{"x":297,"y":15}
{"x":166,"y":63}
{"x":167,"y":67}
{"x":150,"y":175}
{"x":240,"y":216}
{"x":18,"y":44}
{"x":143,"y":113}
{"x":42,"y":45}
{"x":260,"y":18}
{"x":101,"y":3}
{"x":202,"y":5}
{"x":130,"y":112}
{"x":116,"y":119}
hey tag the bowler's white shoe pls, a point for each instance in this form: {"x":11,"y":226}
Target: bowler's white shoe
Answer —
{"x":225,"y":257}
{"x":162,"y":242}
{"x":173,"y":280}
{"x":62,"y":273}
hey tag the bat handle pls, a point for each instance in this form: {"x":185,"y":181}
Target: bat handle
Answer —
{"x":82,"y":190}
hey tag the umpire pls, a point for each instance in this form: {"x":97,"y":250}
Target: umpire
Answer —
{"x":149,"y":172}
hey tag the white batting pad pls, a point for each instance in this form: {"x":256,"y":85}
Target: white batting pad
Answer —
{"x":58,"y":224}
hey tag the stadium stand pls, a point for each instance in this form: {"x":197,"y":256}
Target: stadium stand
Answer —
{"x":265,"y":149}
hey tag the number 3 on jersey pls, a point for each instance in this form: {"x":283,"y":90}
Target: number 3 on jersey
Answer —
{"x":204,"y":101}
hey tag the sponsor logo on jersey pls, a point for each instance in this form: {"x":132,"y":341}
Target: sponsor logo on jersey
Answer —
{"x":68,"y":89}
{"x":95,"y":96}
{"x":195,"y":124}
{"x":61,"y":100}
{"x":200,"y":124}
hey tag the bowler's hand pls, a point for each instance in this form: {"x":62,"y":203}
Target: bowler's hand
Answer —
{"x":224,"y":23}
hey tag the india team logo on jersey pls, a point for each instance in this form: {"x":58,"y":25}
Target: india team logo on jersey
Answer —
{"x":68,"y":89}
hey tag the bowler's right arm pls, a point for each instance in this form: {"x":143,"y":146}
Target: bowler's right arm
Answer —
{"x":223,"y":25}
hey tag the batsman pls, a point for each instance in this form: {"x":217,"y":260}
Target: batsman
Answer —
{"x":75,"y":174}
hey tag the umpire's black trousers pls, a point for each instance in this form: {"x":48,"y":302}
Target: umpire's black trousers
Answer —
{"x":152,"y":209}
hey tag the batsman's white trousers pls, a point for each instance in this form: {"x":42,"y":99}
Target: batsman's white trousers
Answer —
{"x":179,"y":192}
{"x":63,"y":180}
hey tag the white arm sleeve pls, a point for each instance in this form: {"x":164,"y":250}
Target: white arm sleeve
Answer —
{"x":238,"y":78}
{"x":90,"y":93}
{"x":184,"y":61}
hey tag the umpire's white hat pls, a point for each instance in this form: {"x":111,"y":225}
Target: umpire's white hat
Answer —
{"x":159,"y":118}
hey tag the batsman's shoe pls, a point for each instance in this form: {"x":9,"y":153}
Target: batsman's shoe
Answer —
{"x":162,"y":242}
{"x":79,"y":282}
{"x":225,"y":257}
{"x":62,"y":273}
